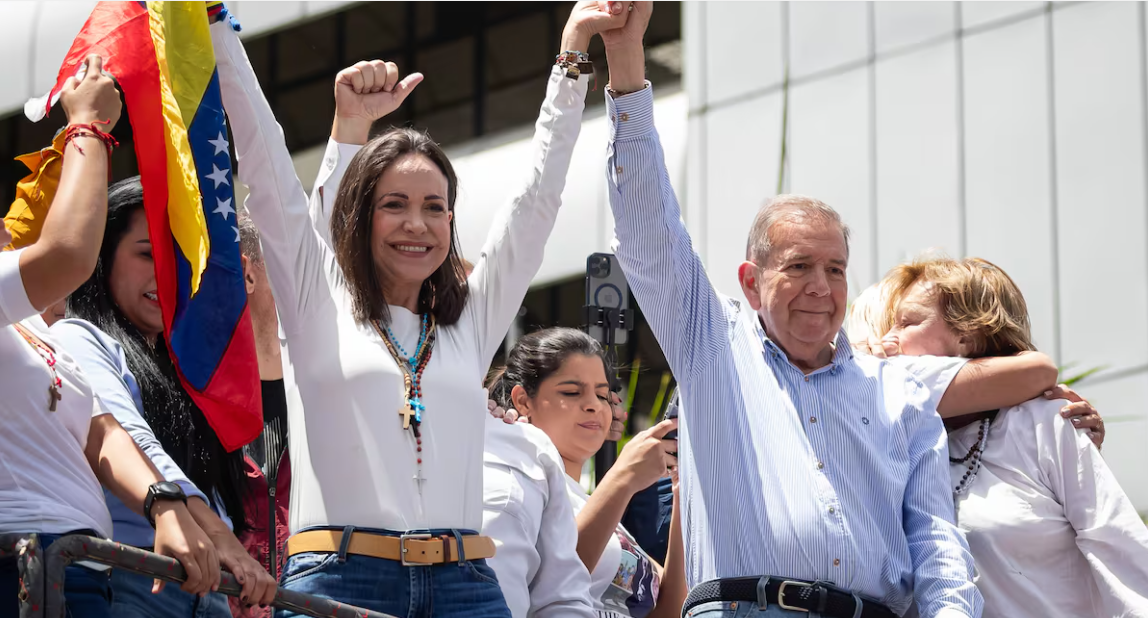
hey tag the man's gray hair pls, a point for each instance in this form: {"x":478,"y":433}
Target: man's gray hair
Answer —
{"x":791,"y":209}
{"x":249,"y":238}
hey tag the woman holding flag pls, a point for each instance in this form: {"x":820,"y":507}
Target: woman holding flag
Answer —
{"x":387,"y":340}
{"x":59,"y":443}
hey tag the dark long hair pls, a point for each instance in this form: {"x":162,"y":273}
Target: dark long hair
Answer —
{"x":444,"y":293}
{"x":177,"y":422}
{"x":538,"y":356}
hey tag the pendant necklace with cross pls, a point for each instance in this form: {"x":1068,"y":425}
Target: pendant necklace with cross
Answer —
{"x":49,"y":357}
{"x":412,"y":367}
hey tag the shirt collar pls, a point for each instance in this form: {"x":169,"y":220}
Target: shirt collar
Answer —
{"x":842,"y":351}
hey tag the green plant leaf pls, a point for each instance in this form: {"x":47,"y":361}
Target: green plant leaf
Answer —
{"x":1079,"y":377}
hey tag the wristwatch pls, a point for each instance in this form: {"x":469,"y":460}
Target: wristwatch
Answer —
{"x":162,"y":491}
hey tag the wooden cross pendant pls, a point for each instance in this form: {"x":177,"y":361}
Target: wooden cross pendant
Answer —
{"x":53,"y":396}
{"x":407,"y":412}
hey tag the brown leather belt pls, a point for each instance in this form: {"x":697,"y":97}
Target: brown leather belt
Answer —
{"x":409,"y":549}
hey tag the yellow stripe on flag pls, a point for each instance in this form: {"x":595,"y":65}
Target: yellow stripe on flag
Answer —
{"x":184,"y":203}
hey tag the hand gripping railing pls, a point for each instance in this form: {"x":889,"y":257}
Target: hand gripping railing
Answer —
{"x":42,"y":574}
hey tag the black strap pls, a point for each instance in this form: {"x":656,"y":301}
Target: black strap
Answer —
{"x":810,"y":596}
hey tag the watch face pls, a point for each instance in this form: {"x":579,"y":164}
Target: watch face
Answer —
{"x":167,"y":489}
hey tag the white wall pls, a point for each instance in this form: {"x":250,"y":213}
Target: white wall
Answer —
{"x":1013,"y":131}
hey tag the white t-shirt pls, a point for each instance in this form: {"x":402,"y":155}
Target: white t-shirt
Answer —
{"x":527,"y":512}
{"x":624,"y":583}
{"x":46,"y":483}
{"x":1051,"y":530}
{"x":352,"y":463}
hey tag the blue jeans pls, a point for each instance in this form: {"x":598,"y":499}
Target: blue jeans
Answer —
{"x":133,"y":599}
{"x":466,"y":588}
{"x":86,"y":591}
{"x":743,"y":609}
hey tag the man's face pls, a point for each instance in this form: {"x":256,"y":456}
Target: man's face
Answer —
{"x":800,"y":292}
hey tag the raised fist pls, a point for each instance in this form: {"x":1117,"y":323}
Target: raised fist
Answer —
{"x":91,"y":96}
{"x":366,"y":92}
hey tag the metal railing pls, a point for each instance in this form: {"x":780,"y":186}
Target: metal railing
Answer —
{"x":42,"y":575}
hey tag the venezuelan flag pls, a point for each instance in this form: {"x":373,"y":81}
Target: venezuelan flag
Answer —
{"x":162,"y":56}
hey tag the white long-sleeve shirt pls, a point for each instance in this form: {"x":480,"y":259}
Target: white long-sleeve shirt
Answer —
{"x":352,"y":463}
{"x":1052,"y":532}
{"x":528,"y":514}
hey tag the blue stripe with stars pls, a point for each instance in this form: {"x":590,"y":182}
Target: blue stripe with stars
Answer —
{"x":204,"y":324}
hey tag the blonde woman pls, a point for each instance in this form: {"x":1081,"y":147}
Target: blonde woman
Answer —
{"x":1040,"y":508}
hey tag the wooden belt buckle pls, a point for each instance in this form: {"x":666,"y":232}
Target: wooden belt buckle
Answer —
{"x":403,"y":549}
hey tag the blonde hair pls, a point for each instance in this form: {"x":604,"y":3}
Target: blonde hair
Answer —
{"x":867,"y":314}
{"x":977,"y":300}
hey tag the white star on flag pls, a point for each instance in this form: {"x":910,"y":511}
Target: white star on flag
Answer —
{"x":220,"y":143}
{"x":218,"y":175}
{"x":223,"y":208}
{"x":236,"y":233}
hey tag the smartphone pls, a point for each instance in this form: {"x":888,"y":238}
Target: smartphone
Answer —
{"x":672,"y":412}
{"x":606,"y":288}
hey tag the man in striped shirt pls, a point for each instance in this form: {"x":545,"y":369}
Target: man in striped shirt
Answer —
{"x":800,"y":463}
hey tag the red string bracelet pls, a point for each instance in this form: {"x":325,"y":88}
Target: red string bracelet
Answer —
{"x":90,"y":130}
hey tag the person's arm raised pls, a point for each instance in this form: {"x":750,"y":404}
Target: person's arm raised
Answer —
{"x":65,"y":254}
{"x":652,"y":244}
{"x":364,"y":93}
{"x":514,"y":246}
{"x":297,"y":260}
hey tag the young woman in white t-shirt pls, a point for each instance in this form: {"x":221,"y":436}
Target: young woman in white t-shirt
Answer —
{"x":58,"y":443}
{"x":1052,"y":532}
{"x":557,"y":380}
{"x":387,"y":341}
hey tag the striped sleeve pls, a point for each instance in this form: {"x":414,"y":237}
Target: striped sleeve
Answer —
{"x":652,"y":244}
{"x":941,"y":561}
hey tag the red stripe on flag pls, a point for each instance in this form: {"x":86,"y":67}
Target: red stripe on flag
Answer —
{"x":236,"y":429}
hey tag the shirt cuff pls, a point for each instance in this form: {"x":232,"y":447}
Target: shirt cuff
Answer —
{"x":335,"y":159}
{"x":14,"y":303}
{"x":631,"y":115}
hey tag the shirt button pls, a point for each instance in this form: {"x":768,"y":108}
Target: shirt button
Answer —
{"x":618,"y":169}
{"x":613,"y":118}
{"x":806,"y":378}
{"x":813,"y":419}
{"x":836,"y":562}
{"x":625,"y":116}
{"x":832,"y":510}
{"x":820,"y":465}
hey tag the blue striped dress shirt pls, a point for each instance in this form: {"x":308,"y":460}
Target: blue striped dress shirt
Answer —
{"x":841,"y":475}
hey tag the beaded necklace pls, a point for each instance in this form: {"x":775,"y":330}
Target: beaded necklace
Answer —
{"x":972,"y":460}
{"x":412,"y":367}
{"x":50,"y":358}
